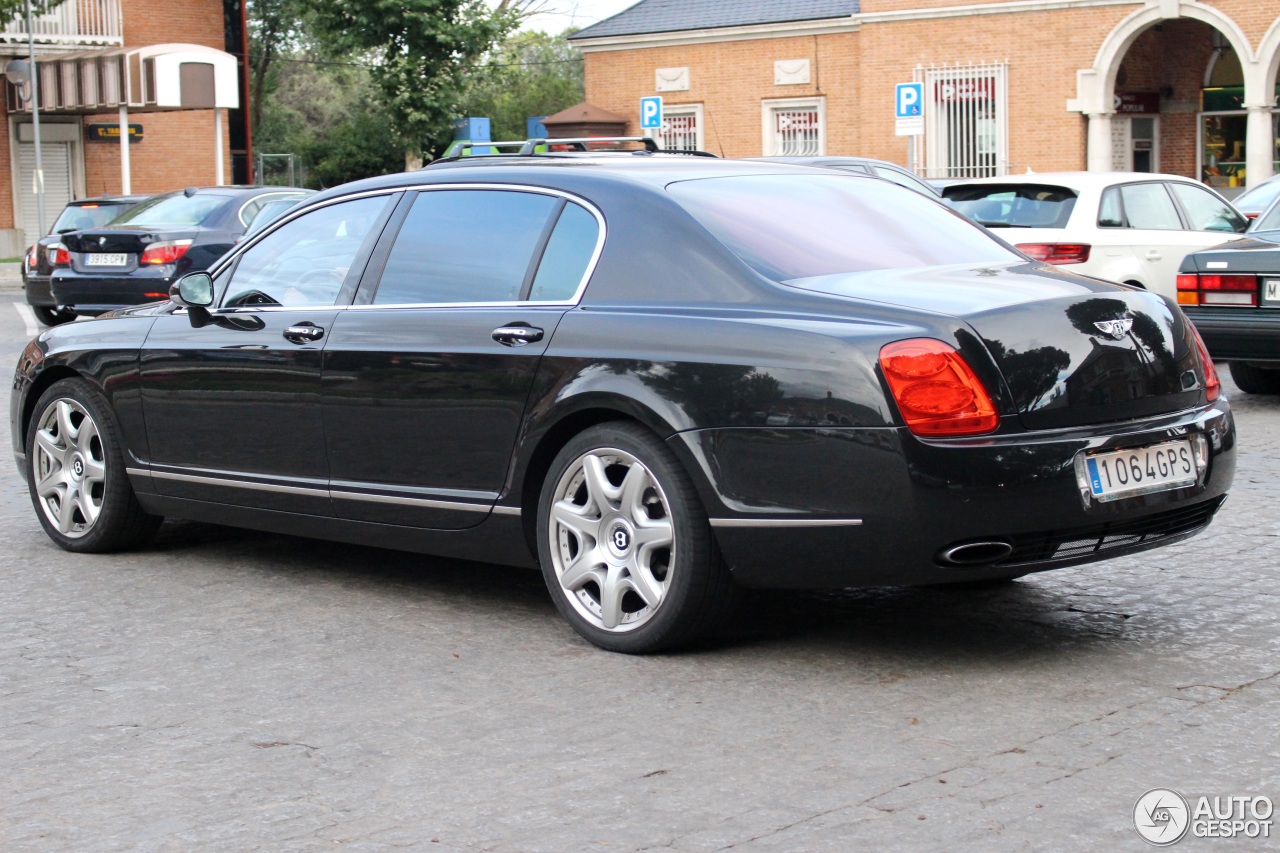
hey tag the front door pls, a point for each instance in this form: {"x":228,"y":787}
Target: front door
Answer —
{"x":425,"y":384}
{"x":232,"y":400}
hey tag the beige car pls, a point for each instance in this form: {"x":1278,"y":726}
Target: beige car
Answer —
{"x":1131,"y":227}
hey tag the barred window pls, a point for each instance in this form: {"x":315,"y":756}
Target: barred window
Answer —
{"x":682,"y":128}
{"x":795,"y":127}
{"x":965,"y":120}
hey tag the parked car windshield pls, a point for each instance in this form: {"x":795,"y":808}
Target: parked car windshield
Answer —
{"x":78,"y":217}
{"x":172,"y":211}
{"x":1013,"y":205}
{"x":1259,"y":197}
{"x":798,"y":226}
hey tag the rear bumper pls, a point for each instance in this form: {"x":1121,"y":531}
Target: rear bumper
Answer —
{"x":884,"y":504}
{"x":36,"y":288}
{"x":1239,"y":334}
{"x":96,"y":294}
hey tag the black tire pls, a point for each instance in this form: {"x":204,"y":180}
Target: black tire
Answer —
{"x":1255,"y":380}
{"x":690,"y":592}
{"x":73,"y":442}
{"x":53,"y":315}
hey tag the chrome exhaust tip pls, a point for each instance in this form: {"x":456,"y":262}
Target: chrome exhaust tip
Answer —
{"x":975,"y":553}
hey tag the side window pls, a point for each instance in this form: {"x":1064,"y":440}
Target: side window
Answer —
{"x":566,"y":257}
{"x":464,"y":246}
{"x":1149,"y":206}
{"x":1206,"y":211}
{"x":1110,"y":213}
{"x":304,"y":262}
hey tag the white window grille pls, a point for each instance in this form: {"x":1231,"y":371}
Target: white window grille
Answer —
{"x":681,"y":128}
{"x":795,"y":127}
{"x":966,"y":120}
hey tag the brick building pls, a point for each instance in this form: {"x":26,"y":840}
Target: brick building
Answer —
{"x":1145,"y":85}
{"x":172,"y":71}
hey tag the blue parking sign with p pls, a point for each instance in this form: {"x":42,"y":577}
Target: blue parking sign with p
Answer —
{"x":651,"y":113}
{"x":909,"y":100}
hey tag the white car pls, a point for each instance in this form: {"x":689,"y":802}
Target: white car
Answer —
{"x":1131,"y":227}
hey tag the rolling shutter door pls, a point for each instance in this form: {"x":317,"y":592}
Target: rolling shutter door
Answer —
{"x":57,"y":184}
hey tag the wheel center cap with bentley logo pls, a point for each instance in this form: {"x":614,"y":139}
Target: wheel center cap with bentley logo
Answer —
{"x":1115,"y":329}
{"x":619,"y":536}
{"x":77,"y":467}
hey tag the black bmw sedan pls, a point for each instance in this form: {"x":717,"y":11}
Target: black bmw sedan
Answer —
{"x":50,"y":253}
{"x":137,"y":257}
{"x":659,"y":379}
{"x":1232,"y":294}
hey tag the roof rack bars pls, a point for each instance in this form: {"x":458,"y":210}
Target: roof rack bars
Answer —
{"x":541,"y":145}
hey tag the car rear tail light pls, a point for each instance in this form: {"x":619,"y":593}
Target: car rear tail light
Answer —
{"x":33,"y":256}
{"x":1251,"y":216}
{"x":1057,"y":253}
{"x":164,"y":253}
{"x":1229,"y":290}
{"x":936,"y":390}
{"x":58,"y":255}
{"x":1212,"y":384}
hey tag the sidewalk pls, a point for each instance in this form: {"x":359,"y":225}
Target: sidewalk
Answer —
{"x":11,"y":277}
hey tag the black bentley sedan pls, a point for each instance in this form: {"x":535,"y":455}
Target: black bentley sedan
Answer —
{"x":660,"y":379}
{"x":1232,"y":295}
{"x":142,"y":252}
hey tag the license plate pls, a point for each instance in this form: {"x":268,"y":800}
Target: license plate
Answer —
{"x":1271,"y":290}
{"x":1140,"y":470}
{"x":105,"y":260}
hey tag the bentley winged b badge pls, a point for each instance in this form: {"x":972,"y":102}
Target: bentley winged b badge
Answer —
{"x":1115,"y":329}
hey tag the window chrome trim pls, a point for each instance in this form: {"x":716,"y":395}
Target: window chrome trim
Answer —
{"x":785,"y":522}
{"x":232,"y":257}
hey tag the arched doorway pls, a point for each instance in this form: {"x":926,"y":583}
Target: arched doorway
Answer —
{"x":1177,"y":88}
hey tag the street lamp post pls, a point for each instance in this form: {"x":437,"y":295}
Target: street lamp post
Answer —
{"x":24,"y":76}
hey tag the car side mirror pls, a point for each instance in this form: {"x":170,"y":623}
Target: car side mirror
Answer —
{"x":194,"y":290}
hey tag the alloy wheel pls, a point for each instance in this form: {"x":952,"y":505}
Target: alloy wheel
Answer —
{"x":612,"y":539}
{"x":70,"y":467}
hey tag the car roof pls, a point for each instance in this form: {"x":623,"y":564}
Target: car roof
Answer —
{"x":656,"y":170}
{"x":108,"y":199}
{"x":1076,"y":180}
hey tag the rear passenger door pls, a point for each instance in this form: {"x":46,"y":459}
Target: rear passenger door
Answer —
{"x":426,"y":376}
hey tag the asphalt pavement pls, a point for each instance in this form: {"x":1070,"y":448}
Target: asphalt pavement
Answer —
{"x":225,"y":690}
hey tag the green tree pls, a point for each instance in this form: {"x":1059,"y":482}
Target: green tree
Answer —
{"x":276,"y":28}
{"x":530,"y":74}
{"x":418,"y":52}
{"x":326,"y":112}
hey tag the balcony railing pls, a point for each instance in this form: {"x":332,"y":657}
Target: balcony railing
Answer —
{"x":72,"y":24}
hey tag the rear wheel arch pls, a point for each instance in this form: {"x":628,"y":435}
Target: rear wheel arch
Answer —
{"x":572,"y":423}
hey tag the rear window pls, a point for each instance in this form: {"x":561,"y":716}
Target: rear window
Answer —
{"x":1013,"y":205}
{"x":790,"y":227}
{"x":1269,"y":221}
{"x":1258,"y":198}
{"x":173,"y":211}
{"x":78,"y":217}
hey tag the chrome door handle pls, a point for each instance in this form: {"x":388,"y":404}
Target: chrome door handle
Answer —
{"x":303,"y":333}
{"x":517,"y":336}
{"x":1153,"y":255}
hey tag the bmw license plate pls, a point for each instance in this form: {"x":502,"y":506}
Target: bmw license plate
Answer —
{"x":1140,"y":470}
{"x":117,"y":259}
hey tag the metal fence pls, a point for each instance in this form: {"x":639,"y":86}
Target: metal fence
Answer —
{"x":966,"y":120}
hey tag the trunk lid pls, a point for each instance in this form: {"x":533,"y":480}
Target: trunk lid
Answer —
{"x":1072,"y":350}
{"x":115,"y":250}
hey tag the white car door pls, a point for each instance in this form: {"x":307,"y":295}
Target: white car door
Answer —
{"x":1154,"y":230}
